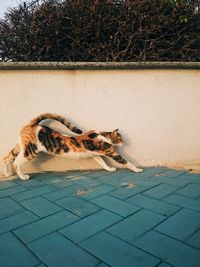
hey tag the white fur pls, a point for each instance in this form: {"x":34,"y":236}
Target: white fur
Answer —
{"x":132,"y":167}
{"x":79,"y":155}
{"x":103,"y":164}
{"x":7,"y":169}
{"x":57,"y":126}
{"x":103,"y":138}
{"x":19,"y":161}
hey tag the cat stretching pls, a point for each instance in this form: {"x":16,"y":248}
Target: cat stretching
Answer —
{"x":35,"y":138}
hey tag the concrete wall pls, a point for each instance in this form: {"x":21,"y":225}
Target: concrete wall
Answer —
{"x":156,"y":110}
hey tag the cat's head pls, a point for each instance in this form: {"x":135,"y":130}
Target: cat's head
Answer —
{"x":114,"y":136}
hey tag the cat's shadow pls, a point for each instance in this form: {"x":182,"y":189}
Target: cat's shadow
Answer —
{"x":39,"y":161}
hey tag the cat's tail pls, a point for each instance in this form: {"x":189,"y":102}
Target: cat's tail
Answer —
{"x":8,"y":161}
{"x":64,"y":121}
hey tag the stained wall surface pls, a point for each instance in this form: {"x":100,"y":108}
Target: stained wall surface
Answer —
{"x":157,"y":111}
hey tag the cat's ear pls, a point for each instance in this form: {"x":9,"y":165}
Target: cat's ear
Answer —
{"x":116,"y":131}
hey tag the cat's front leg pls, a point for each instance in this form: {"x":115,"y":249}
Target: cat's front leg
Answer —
{"x":104,"y":165}
{"x":119,"y":159}
{"x":133,"y":168}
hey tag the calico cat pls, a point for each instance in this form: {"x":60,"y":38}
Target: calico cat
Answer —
{"x":35,"y":138}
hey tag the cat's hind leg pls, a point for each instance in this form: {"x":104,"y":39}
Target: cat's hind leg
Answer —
{"x":7,"y":169}
{"x":18,"y":163}
{"x":8,"y":161}
{"x":103,"y":164}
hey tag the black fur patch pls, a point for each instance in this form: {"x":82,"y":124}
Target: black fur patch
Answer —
{"x":30,"y":150}
{"x":46,"y":138}
{"x":90,"y":145}
{"x":62,"y":120}
{"x":93,"y":135}
{"x":13,"y":153}
{"x":106,"y":146}
{"x":119,"y":159}
{"x":65,"y":148}
{"x":76,"y":130}
{"x":75,"y":142}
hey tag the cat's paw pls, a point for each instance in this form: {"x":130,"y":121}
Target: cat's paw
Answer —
{"x":111,"y":169}
{"x":138,"y":170}
{"x":24,"y":177}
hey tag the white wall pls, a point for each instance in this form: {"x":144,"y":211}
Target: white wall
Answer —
{"x":157,"y":111}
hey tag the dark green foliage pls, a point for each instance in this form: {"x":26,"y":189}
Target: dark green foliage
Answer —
{"x":102,"y":30}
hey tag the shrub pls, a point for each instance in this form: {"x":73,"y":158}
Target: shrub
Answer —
{"x":102,"y":30}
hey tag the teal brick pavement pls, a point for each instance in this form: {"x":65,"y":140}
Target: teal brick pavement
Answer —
{"x":101,"y":219}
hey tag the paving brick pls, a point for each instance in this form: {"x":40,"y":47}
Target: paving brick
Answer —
{"x":171,"y":180}
{"x":181,"y":225}
{"x":194,"y":240}
{"x":163,"y":264}
{"x":143,"y":181}
{"x":78,"y":206}
{"x":98,"y":173}
{"x":17,"y":220}
{"x":11,"y":191}
{"x":98,"y":191}
{"x":116,"y":252}
{"x":135,"y":225}
{"x":111,"y":179}
{"x":40,"y":206}
{"x":125,"y":192}
{"x":183,"y":202}
{"x":115,"y":205}
{"x":102,"y":265}
{"x":75,"y":174}
{"x":87,"y":181}
{"x":116,"y":175}
{"x":149,"y":172}
{"x":63,"y":193}
{"x":170,"y":250}
{"x":9,"y":207}
{"x":153,"y":205}
{"x":116,"y":178}
{"x":191,"y":190}
{"x":33,"y":192}
{"x":173,"y":173}
{"x":61,"y":183}
{"x":90,"y":225}
{"x":190,"y":177}
{"x":160,"y":191}
{"x":45,"y":226}
{"x":14,"y":253}
{"x":7,"y":184}
{"x":31,"y":183}
{"x":56,"y":250}
{"x":47,"y":177}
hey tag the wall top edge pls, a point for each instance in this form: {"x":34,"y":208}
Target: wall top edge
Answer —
{"x":97,"y":65}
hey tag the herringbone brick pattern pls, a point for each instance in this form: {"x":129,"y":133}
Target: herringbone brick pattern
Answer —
{"x":101,"y":219}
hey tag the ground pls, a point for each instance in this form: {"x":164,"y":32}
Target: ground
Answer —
{"x":101,"y":219}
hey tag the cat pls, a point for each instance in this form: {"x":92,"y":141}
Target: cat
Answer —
{"x":27,"y":134}
{"x":35,"y":138}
